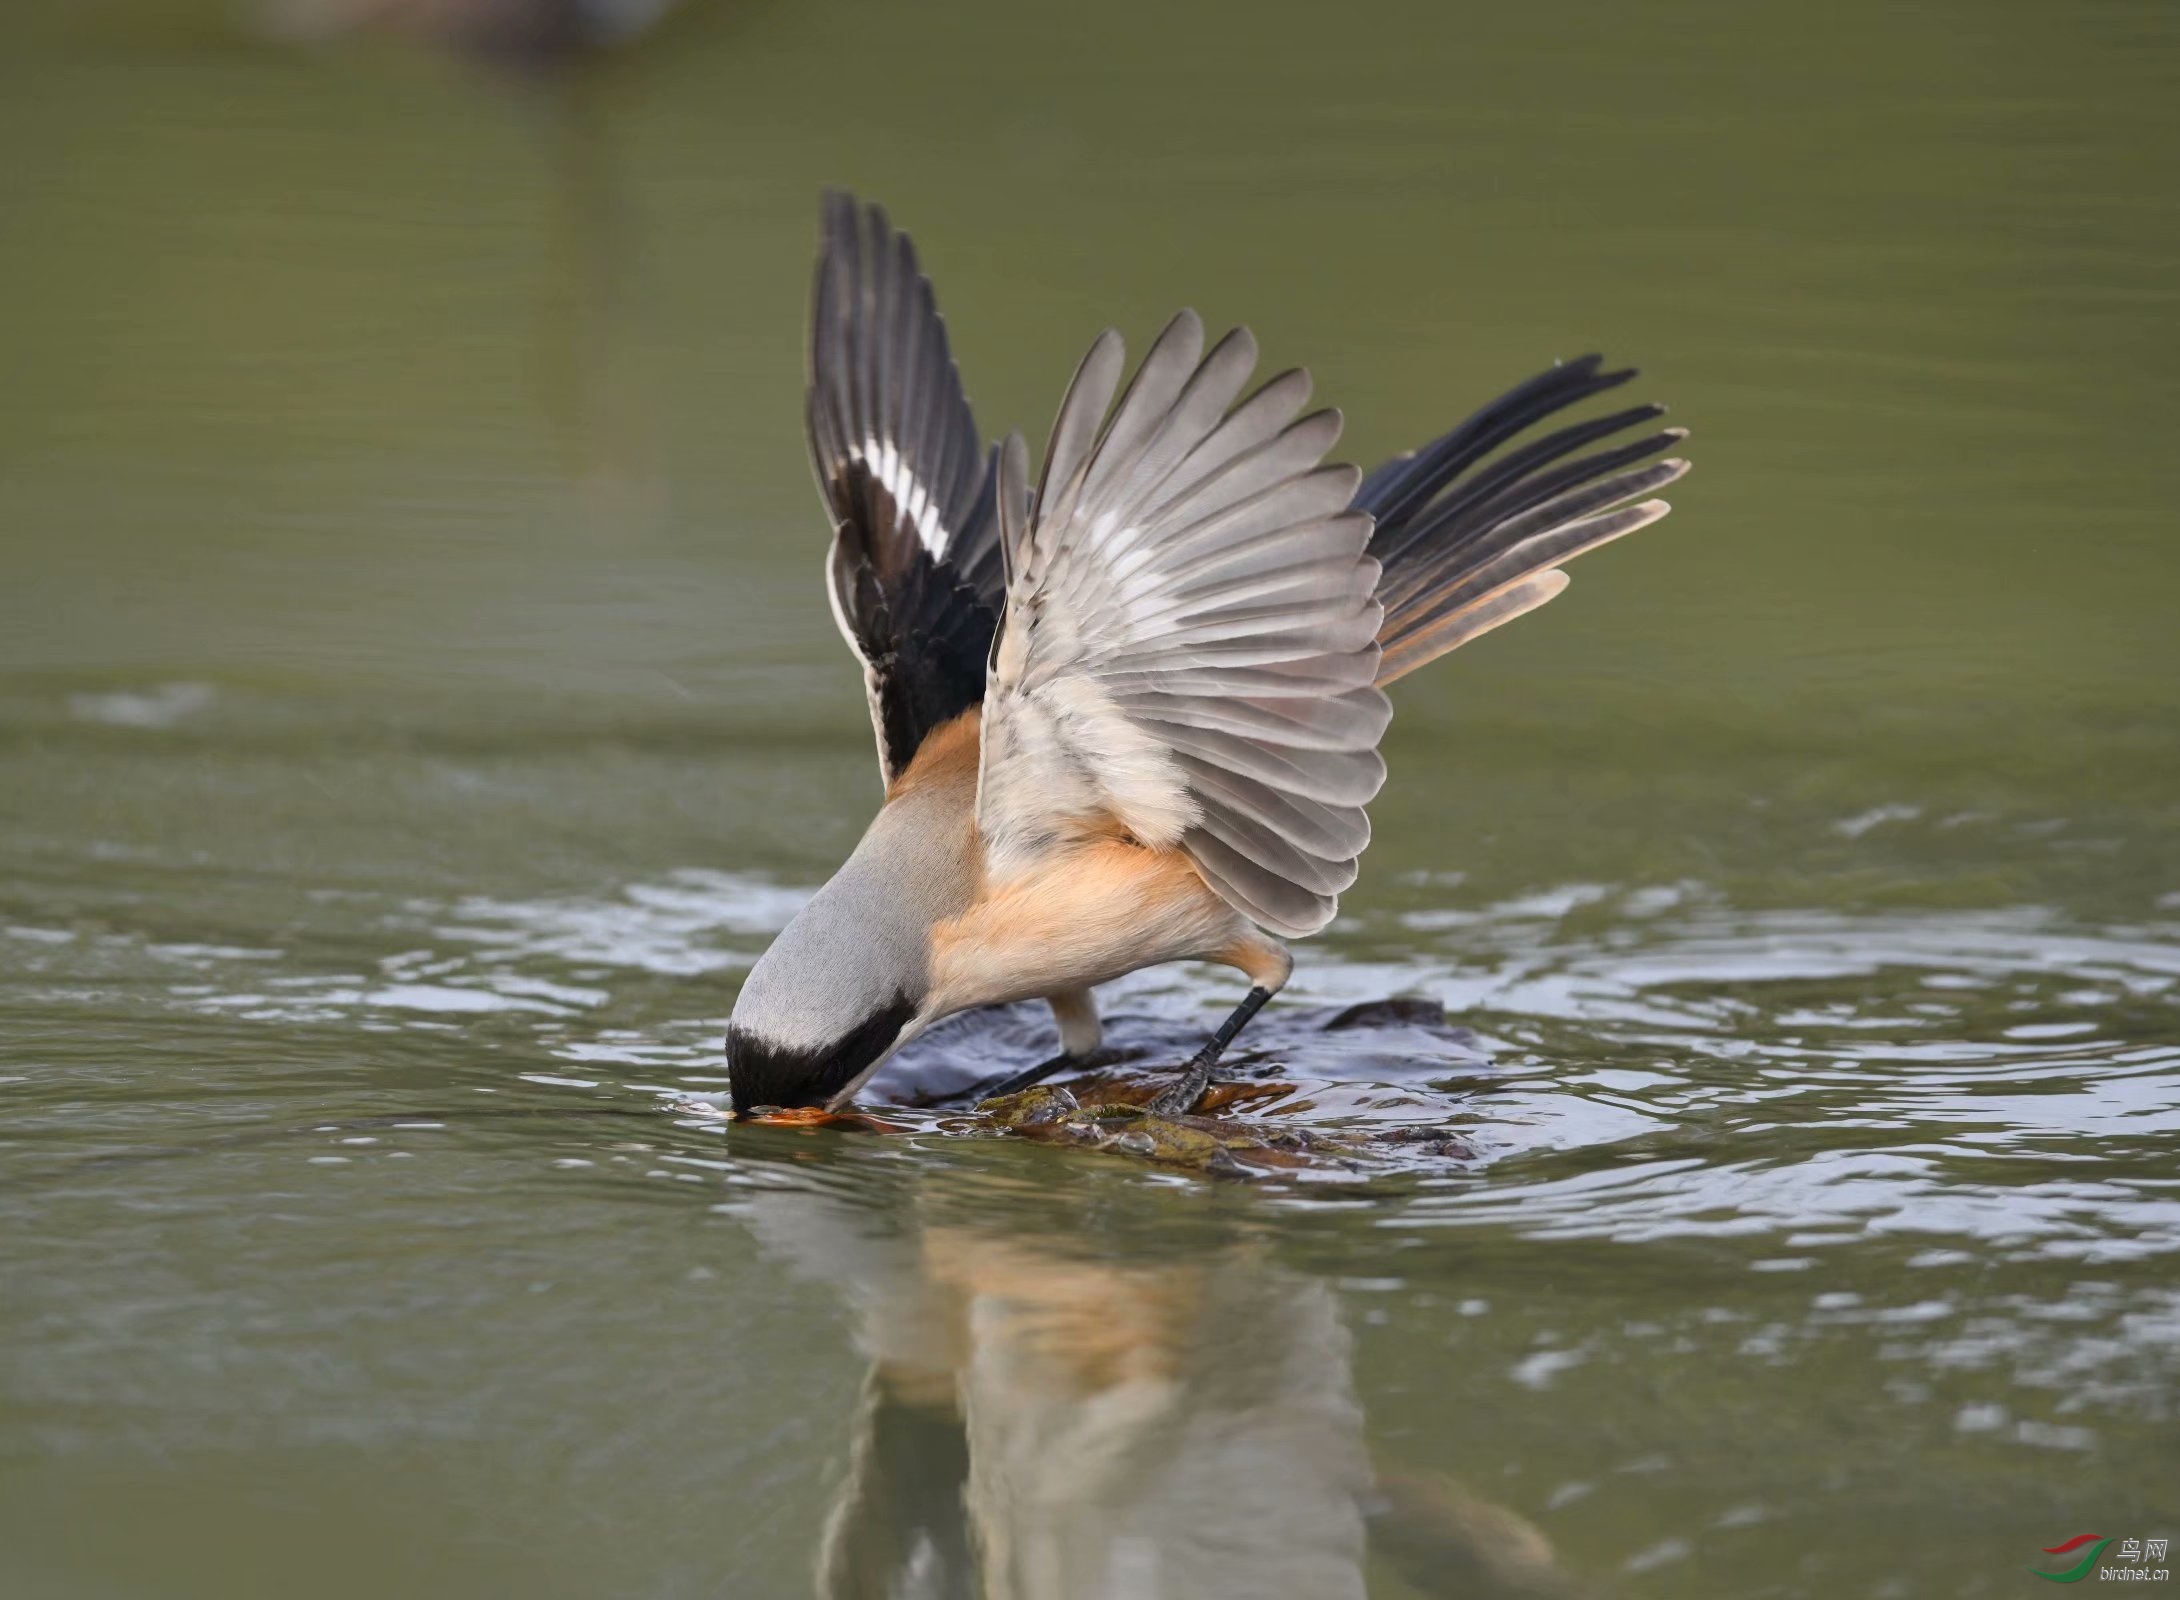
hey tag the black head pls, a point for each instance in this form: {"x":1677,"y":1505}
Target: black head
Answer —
{"x":761,"y":1072}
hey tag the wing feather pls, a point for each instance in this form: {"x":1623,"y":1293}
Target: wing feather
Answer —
{"x":1470,"y":539}
{"x":1082,"y":408}
{"x":915,"y":574}
{"x":1190,"y":634}
{"x":1259,"y":892}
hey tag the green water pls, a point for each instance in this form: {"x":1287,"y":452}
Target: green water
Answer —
{"x":418,"y":705}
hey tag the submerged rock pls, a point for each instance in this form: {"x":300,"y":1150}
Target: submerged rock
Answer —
{"x":1107,"y":1112}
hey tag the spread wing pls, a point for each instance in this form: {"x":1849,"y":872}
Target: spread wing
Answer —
{"x":1190,"y":634}
{"x":914,"y":573}
{"x":1470,"y":539}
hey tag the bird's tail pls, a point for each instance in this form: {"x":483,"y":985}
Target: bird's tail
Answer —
{"x":1469,"y":540}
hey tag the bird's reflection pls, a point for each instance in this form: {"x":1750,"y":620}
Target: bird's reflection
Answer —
{"x":1073,"y":1412}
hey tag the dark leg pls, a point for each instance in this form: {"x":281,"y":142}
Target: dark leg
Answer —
{"x":1180,"y":1097}
{"x":1075,"y":1014}
{"x":1030,"y":1077}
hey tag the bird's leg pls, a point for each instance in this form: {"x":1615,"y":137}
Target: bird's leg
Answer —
{"x":1076,"y":1012}
{"x":1179,"y":1097}
{"x":1266,"y":964}
{"x":1030,"y":1077}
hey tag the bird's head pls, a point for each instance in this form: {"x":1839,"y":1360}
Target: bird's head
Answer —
{"x":823,"y":1007}
{"x":766,"y":1071}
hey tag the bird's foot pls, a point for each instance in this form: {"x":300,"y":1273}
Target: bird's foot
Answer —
{"x":1178,"y":1098}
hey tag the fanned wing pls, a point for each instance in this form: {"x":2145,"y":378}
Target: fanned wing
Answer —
{"x":1190,"y":636}
{"x":914,"y":573}
{"x":1470,"y":539}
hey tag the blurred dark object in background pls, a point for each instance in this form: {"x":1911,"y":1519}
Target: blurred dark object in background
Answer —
{"x":525,"y":32}
{"x":586,"y":378}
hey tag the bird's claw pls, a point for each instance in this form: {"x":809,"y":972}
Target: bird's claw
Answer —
{"x":1179,"y":1097}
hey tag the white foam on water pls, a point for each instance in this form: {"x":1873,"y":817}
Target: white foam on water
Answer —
{"x":159,"y":707}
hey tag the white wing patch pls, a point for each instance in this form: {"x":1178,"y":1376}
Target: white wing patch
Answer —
{"x":918,"y":506}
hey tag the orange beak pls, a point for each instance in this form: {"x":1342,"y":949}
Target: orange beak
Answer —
{"x":814,"y":1117}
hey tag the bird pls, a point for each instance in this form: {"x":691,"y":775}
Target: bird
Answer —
{"x":1130,"y":714}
